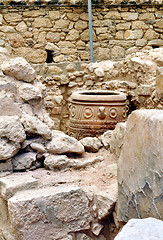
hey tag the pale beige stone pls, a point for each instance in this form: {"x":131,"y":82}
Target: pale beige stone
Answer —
{"x":60,"y":58}
{"x":135,"y":34}
{"x":159,"y":23}
{"x":73,"y":16}
{"x":129,"y":16}
{"x":34,"y":126}
{"x":12,"y":17}
{"x":21,"y":27}
{"x":85,"y":35}
{"x":54,"y":15}
{"x":20,"y":69}
{"x":54,"y":70}
{"x":31,"y":55}
{"x":61,"y":23}
{"x":150,"y":34}
{"x":1,"y":19}
{"x":80,"y":25}
{"x":84,"y":17}
{"x":52,"y":47}
{"x":15,"y":40}
{"x":146,"y":16}
{"x":34,"y":13}
{"x":7,"y":29}
{"x":103,"y":53}
{"x":29,"y":210}
{"x":42,"y":37}
{"x":41,"y":22}
{"x":80,"y":45}
{"x":53,"y":37}
{"x":156,"y":42}
{"x":113,"y":15}
{"x":29,"y":92}
{"x":137,"y":229}
{"x":139,"y":25}
{"x":62,"y":44}
{"x":72,"y":35}
{"x":101,"y":30}
{"x":123,"y":26}
{"x":159,"y":83}
{"x":91,"y":144}
{"x":16,"y":182}
{"x":141,"y":42}
{"x":119,"y":35}
{"x":139,"y":188}
{"x":62,"y":143}
{"x":8,"y":149}
{"x":117,"y":52}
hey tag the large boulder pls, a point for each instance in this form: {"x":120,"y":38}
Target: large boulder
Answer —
{"x":53,"y":211}
{"x":140,"y":167}
{"x":20,"y":69}
{"x":144,"y":229}
{"x":62,"y":143}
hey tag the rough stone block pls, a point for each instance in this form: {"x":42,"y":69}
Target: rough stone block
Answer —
{"x":11,"y":184}
{"x":140,"y":167}
{"x":52,"y":212}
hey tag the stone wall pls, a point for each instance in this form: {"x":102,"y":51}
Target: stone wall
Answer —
{"x":54,"y":33}
{"x":139,"y":75}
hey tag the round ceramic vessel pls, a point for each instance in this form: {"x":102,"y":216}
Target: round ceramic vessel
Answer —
{"x":93,"y":112}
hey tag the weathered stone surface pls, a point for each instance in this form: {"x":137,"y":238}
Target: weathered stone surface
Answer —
{"x":35,"y":126}
{"x":58,"y":162}
{"x":91,"y":144}
{"x":24,"y":161}
{"x":11,"y":184}
{"x":20,"y":69}
{"x":143,"y":229}
{"x":38,"y":147}
{"x":8,"y":149}
{"x":159,"y":83}
{"x":29,"y":92}
{"x":62,"y":143}
{"x":117,"y":138}
{"x":140,"y":167}
{"x":105,"y":201}
{"x":135,"y":34}
{"x":105,"y":138}
{"x":5,"y":167}
{"x":64,"y":209}
{"x":12,"y":129}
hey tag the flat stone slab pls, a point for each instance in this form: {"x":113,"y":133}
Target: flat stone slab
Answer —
{"x":11,"y":184}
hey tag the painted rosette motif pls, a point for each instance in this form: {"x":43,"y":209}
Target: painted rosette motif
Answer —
{"x":94,"y":112}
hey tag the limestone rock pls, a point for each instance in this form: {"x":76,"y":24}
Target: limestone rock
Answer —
{"x":13,"y":183}
{"x":29,"y":92}
{"x":105,"y":201}
{"x":8,"y":107}
{"x":58,"y":162}
{"x":116,"y":139}
{"x":62,"y":143}
{"x":19,"y":68}
{"x":8,"y":149}
{"x":38,"y":147}
{"x":144,"y":229}
{"x":64,"y":209}
{"x":105,"y":138}
{"x":5,"y":167}
{"x":12,"y":129}
{"x":33,"y":125}
{"x":91,"y":144}
{"x":140,"y":167}
{"x":24,"y":161}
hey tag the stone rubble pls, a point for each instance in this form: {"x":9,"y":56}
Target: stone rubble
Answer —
{"x":32,"y":201}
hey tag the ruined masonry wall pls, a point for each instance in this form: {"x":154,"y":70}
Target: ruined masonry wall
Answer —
{"x":63,"y":32}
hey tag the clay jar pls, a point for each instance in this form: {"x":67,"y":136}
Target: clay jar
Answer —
{"x":93,"y":112}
